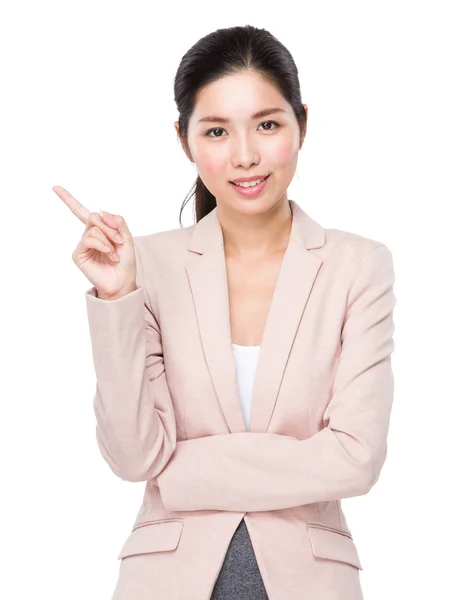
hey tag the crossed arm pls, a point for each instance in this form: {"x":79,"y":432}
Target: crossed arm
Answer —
{"x":265,"y":471}
{"x":246,"y":471}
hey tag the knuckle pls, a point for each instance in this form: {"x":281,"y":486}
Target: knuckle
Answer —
{"x":94,"y":217}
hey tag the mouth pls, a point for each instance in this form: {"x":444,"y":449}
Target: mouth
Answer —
{"x":250,"y":190}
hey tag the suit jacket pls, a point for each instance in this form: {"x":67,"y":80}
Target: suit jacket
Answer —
{"x":168,"y":411}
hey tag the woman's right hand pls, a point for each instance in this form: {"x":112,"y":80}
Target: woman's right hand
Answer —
{"x":99,"y":242}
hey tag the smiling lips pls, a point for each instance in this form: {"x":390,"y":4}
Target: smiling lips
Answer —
{"x":249,"y":190}
{"x":252,"y":178}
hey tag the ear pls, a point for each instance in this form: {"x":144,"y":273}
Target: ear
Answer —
{"x":303,"y":133}
{"x":188,"y":154}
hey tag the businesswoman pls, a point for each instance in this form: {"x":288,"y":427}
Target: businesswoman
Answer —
{"x":243,"y":363}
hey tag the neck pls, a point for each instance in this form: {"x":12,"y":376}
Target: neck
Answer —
{"x":256,"y":236}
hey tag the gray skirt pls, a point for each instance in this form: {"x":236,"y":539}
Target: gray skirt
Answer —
{"x":239,"y":578}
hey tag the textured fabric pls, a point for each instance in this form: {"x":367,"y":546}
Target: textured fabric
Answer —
{"x":239,"y":578}
{"x":168,"y":410}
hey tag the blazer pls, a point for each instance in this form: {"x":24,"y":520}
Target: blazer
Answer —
{"x":168,"y":411}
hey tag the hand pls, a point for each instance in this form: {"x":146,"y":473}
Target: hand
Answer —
{"x":95,"y":255}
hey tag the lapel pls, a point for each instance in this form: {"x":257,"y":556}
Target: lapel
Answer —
{"x":207,"y":274}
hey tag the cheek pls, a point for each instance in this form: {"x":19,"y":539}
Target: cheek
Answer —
{"x":209,"y":162}
{"x":283,"y":152}
{"x":211,"y":165}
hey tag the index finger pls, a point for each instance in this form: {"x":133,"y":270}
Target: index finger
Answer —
{"x":76,"y":207}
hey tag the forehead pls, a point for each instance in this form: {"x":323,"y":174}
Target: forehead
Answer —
{"x":237,"y":96}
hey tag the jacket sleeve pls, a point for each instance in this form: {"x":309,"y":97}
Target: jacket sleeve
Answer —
{"x":135,"y":423}
{"x":266,"y":471}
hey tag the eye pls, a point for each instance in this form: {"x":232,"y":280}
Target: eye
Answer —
{"x":207,"y":134}
{"x":213,"y":129}
{"x":274,"y":122}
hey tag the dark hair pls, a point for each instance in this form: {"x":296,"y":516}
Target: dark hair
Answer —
{"x":224,"y":52}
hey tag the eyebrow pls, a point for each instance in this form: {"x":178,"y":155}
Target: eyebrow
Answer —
{"x":262,"y":113}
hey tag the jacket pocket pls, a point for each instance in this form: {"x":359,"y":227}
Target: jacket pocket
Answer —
{"x":152,"y":536}
{"x":333,"y":544}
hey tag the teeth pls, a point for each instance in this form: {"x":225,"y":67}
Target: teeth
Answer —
{"x":250,"y":183}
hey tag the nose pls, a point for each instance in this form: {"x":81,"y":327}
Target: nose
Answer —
{"x":244,"y":152}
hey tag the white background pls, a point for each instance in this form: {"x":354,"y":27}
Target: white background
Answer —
{"x":87,"y":103}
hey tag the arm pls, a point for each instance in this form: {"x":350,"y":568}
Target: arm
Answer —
{"x":135,"y":424}
{"x":266,"y":471}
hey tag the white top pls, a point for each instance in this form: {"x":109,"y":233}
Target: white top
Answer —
{"x":246,"y":358}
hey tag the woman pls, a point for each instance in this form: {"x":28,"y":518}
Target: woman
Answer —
{"x":243,"y":483}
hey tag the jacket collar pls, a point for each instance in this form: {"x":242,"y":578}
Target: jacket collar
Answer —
{"x":207,"y":274}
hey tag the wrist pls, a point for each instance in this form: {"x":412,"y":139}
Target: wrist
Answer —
{"x":118,"y":295}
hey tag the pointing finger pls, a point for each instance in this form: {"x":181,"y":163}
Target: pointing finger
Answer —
{"x":76,"y":207}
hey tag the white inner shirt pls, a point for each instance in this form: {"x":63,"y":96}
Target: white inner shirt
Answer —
{"x":246,"y":358}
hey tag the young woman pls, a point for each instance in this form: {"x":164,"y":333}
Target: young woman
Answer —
{"x":243,"y":363}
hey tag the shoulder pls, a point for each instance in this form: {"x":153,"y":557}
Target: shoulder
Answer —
{"x":159,"y":256}
{"x":350,"y":247}
{"x":334,"y":245}
{"x":163,"y":244}
{"x":347,"y":256}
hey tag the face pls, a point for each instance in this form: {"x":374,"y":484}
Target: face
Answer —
{"x":235,"y":143}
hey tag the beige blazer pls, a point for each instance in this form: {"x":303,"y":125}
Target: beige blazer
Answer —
{"x":168,"y":411}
